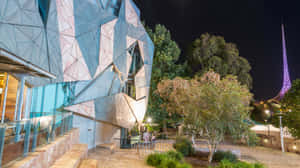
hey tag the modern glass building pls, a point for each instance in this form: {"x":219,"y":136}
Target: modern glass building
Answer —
{"x":92,"y":58}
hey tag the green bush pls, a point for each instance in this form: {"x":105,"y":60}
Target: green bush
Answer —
{"x":168,"y":163}
{"x":184,"y":146}
{"x":155,"y":159}
{"x":222,"y":155}
{"x":252,"y":139}
{"x":227,"y":164}
{"x":171,"y":159}
{"x":258,"y":165}
{"x":171,"y":163}
{"x":184,"y":165}
{"x":175,"y":155}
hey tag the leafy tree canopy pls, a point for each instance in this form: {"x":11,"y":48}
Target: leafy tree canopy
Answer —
{"x":211,"y":106}
{"x":213,"y":52}
{"x":164,"y":66}
{"x":291,"y":108}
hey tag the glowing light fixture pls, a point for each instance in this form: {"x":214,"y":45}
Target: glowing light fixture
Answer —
{"x":267,"y":111}
{"x":149,"y":120}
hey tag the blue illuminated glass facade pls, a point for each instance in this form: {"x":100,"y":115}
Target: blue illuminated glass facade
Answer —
{"x":95,"y":48}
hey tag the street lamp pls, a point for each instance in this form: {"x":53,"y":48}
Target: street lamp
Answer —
{"x":268,"y":112}
{"x":149,"y":120}
{"x":281,"y":131}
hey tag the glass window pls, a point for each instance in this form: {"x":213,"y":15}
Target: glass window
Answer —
{"x":2,"y":89}
{"x":137,"y":61}
{"x":44,"y":9}
{"x":11,"y":98}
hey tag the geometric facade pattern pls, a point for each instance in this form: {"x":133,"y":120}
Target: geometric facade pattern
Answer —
{"x":98,"y":50}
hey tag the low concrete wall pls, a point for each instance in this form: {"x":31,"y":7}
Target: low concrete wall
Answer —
{"x":46,"y":155}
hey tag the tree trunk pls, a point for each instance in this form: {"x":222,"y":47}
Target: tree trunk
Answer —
{"x":212,"y":149}
{"x":210,"y":156}
{"x":193,"y":139}
{"x":180,"y":130}
{"x":165,"y":128}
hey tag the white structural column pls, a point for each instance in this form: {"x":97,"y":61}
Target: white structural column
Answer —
{"x":20,"y":98}
{"x":17,"y":101}
{"x":18,"y":111}
{"x":28,"y":103}
{"x":4,"y":101}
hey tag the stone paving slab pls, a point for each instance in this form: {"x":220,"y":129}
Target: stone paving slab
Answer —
{"x":119,"y":159}
{"x":270,"y":157}
{"x":131,"y":159}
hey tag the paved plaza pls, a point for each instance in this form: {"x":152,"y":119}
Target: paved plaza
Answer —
{"x":122,"y":158}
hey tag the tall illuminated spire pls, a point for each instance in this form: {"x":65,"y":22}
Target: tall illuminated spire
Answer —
{"x":286,"y":75}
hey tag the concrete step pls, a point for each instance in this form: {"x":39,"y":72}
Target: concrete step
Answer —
{"x":110,"y":146}
{"x":89,"y":163}
{"x":72,"y":158}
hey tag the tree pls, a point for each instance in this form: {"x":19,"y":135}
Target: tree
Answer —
{"x":290,"y":105}
{"x":164,"y":66}
{"x":211,"y":106}
{"x":213,"y":52}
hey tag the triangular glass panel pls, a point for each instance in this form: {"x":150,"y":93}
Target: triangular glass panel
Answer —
{"x":136,"y":64}
{"x":104,"y":3}
{"x":137,"y":60}
{"x":44,"y":9}
{"x":130,"y":88}
{"x":115,"y":6}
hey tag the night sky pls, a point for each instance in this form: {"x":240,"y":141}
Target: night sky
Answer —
{"x":254,"y":25}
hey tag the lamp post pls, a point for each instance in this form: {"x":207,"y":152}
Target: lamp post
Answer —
{"x":268,"y":112}
{"x":281,"y":131}
{"x":278,"y":106}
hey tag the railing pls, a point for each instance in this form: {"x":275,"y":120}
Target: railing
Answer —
{"x":145,"y":148}
{"x":18,"y":138}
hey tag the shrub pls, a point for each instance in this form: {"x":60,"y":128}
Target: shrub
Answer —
{"x":171,"y":163}
{"x":227,"y":164}
{"x":184,"y":146}
{"x":175,"y":155}
{"x":258,"y":165}
{"x":168,"y":163}
{"x":184,"y":165}
{"x":155,"y":159}
{"x":252,"y":139}
{"x":171,"y":159}
{"x":222,"y":155}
